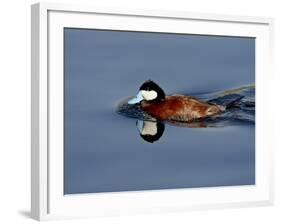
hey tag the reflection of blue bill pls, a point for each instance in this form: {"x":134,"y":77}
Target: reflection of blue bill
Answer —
{"x":140,"y":125}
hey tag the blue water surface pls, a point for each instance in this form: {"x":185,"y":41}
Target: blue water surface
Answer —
{"x":103,"y":151}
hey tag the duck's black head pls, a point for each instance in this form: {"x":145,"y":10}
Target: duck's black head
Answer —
{"x":148,"y":91}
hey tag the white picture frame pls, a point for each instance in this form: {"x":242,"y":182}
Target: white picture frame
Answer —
{"x":48,"y":201}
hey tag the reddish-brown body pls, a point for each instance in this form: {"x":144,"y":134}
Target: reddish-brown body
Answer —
{"x":180,"y":108}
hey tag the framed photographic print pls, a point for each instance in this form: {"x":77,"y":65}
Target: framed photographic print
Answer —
{"x":138,"y":111}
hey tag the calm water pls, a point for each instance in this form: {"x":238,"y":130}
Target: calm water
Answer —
{"x":103,"y":149}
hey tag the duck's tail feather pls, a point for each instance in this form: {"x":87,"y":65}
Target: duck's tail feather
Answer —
{"x":227,"y":101}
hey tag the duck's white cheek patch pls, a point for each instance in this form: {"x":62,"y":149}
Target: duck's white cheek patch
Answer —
{"x":149,"y":95}
{"x":149,"y":128}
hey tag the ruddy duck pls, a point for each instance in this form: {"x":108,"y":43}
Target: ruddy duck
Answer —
{"x":181,"y":108}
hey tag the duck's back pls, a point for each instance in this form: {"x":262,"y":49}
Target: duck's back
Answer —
{"x":180,"y":108}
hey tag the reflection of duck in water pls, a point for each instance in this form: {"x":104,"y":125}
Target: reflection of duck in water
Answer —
{"x":181,"y":108}
{"x":150,"y":131}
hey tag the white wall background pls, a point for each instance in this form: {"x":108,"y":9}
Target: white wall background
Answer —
{"x":15,"y":110}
